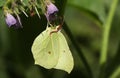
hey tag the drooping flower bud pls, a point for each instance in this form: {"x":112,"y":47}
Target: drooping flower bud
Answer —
{"x":51,"y":8}
{"x":10,"y":20}
{"x":51,"y":11}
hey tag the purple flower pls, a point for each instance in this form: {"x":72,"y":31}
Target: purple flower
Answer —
{"x":13,"y":22}
{"x":51,"y":11}
{"x":51,"y":8}
{"x":10,"y":20}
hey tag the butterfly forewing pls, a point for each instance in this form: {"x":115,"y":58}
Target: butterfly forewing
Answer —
{"x":45,"y":51}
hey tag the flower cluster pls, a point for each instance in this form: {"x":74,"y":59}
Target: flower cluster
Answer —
{"x":13,"y":8}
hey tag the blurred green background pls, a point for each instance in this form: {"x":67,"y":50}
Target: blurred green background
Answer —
{"x":84,"y":20}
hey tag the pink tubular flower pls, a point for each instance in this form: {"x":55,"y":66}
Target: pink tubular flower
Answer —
{"x":10,"y":20}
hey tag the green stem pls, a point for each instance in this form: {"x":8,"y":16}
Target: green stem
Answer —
{"x":65,"y":27}
{"x":116,"y":73}
{"x":7,"y":2}
{"x":106,"y":32}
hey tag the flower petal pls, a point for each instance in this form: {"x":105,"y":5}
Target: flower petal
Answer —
{"x":10,"y":20}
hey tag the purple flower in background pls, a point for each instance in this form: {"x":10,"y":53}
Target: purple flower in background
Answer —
{"x":10,"y":20}
{"x":51,"y":11}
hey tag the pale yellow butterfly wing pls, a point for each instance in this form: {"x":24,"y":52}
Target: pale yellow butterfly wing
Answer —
{"x":65,"y":61}
{"x":52,"y":51}
{"x":45,"y":49}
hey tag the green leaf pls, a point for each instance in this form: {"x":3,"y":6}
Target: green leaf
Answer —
{"x":26,"y":2}
{"x":95,"y":6}
{"x":116,"y":73}
{"x":2,"y":2}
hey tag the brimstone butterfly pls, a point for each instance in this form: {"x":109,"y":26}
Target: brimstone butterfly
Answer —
{"x":52,"y":51}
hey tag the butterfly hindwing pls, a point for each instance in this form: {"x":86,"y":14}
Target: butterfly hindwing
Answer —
{"x":65,"y":61}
